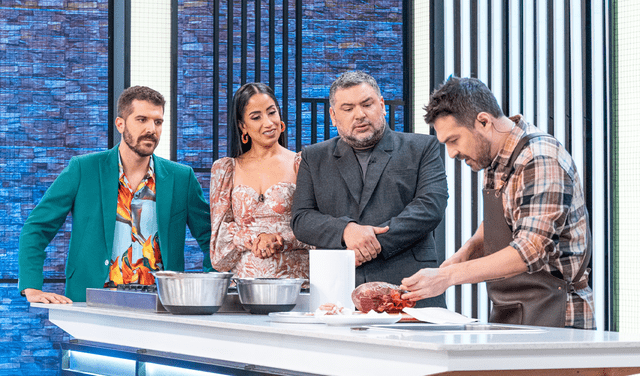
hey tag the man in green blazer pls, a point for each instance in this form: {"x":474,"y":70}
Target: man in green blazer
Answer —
{"x":91,"y":186}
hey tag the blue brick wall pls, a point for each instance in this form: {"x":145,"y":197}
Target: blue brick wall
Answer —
{"x":54,"y":98}
{"x":29,"y":342}
{"x":53,"y":105}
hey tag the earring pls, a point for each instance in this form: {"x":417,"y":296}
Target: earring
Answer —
{"x":283,"y":127}
{"x":245,"y":138}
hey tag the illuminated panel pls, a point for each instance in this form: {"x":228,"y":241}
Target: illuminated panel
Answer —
{"x":100,"y":365}
{"x":628,"y":139}
{"x":151,"y":56}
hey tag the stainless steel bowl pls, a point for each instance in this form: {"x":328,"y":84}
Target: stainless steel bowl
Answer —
{"x":192,"y":293}
{"x":265,"y":295}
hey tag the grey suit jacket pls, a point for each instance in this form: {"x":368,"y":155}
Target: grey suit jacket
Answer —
{"x":405,"y":188}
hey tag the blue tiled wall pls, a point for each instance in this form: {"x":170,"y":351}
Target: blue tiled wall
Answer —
{"x":54,"y":105}
{"x":28,"y":344}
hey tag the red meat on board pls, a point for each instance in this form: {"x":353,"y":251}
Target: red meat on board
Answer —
{"x":380,"y":297}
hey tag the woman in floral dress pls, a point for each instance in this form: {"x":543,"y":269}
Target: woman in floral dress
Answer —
{"x":252,"y":191}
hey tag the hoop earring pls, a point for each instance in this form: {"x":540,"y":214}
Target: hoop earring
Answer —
{"x":282,"y":129}
{"x":245,"y":138}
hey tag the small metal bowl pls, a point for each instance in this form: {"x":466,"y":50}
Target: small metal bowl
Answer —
{"x":266,"y":295}
{"x":192,"y":293}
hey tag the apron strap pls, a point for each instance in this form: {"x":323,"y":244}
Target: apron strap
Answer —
{"x":516,"y":152}
{"x":514,"y":155}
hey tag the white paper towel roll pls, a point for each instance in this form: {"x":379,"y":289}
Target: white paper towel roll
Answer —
{"x":332,"y":277}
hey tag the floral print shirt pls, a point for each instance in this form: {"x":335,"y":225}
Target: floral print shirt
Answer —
{"x":136,"y":250}
{"x":239,"y":215}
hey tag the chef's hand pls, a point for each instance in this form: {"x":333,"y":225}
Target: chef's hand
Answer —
{"x":363,"y":241}
{"x":266,"y":245}
{"x":426,"y":283}
{"x":468,"y":251}
{"x":39,"y":296}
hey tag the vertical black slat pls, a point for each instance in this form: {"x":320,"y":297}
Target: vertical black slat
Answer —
{"x":521,"y":52}
{"x":314,"y":121}
{"x":457,"y":39}
{"x":243,"y":43}
{"x":285,"y":70}
{"x":392,"y":117}
{"x":473,"y":28}
{"x":535,"y":64}
{"x":299,"y":82}
{"x":229,"y":68}
{"x":550,"y":70}
{"x":173,"y":148}
{"x":474,"y":227}
{"x":587,"y":110}
{"x":436,"y":47}
{"x":258,"y":40}
{"x":489,"y":44}
{"x":458,"y":225}
{"x":567,"y":75}
{"x":608,"y":101}
{"x":505,"y":59}
{"x":111,"y":80}
{"x":489,"y":78}
{"x":216,"y":79}
{"x":272,"y":45}
{"x":407,"y":51}
{"x":436,"y":76}
{"x":121,"y":61}
{"x":327,"y":120}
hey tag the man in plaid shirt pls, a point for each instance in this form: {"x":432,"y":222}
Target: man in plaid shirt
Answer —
{"x":542,"y":200}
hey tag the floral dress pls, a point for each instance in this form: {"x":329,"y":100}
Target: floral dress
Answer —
{"x":238,"y":216}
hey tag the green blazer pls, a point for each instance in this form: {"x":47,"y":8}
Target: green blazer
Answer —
{"x":88,"y":188}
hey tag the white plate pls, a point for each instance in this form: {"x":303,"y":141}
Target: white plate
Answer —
{"x":294,"y":317}
{"x":359,"y":319}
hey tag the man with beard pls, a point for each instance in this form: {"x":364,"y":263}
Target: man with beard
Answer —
{"x":534,"y":244}
{"x":129,"y":208}
{"x":377,"y":192}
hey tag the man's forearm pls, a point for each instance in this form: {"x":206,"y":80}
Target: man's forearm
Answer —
{"x":502,"y":264}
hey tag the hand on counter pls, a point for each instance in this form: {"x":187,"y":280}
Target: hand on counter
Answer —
{"x":362,"y":240}
{"x":39,"y":296}
{"x":426,"y":283}
{"x":266,"y":245}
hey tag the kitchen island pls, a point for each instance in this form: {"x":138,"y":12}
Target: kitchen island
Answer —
{"x":255,"y":341}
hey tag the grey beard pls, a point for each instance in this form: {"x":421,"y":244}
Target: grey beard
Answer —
{"x":368,"y":142}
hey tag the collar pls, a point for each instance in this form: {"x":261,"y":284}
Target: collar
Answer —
{"x":150,"y":172}
{"x":517,"y":132}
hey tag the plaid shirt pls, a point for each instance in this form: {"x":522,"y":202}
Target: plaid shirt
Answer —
{"x":544,"y":205}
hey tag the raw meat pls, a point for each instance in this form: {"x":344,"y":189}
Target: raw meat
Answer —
{"x":380,"y":297}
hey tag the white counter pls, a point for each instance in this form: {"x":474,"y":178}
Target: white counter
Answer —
{"x":322,"y":349}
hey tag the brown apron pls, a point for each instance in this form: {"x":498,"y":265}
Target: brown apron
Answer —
{"x":538,"y":298}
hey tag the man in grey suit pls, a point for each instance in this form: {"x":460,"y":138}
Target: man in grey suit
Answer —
{"x":377,"y":192}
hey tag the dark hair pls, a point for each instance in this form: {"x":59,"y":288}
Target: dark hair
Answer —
{"x":349,"y":79}
{"x":236,"y":116}
{"x":141,"y":93}
{"x":462,"y":98}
